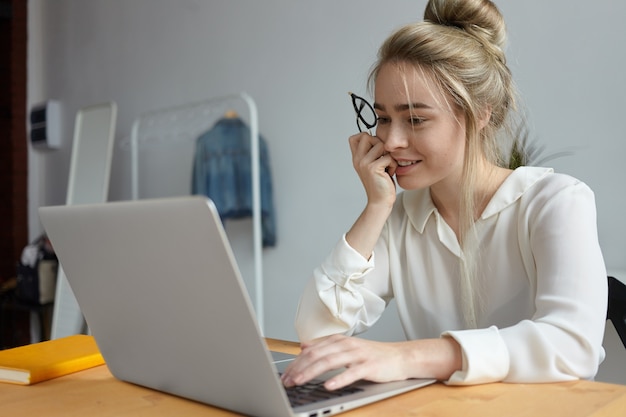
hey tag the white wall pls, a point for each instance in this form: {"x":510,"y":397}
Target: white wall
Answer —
{"x":298,"y":60}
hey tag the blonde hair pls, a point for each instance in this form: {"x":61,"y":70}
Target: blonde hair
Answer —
{"x":460,"y":45}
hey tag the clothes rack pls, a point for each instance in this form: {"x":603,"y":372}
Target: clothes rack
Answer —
{"x":162,"y":127}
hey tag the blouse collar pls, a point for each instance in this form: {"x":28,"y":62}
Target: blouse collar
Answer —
{"x":419,"y":206}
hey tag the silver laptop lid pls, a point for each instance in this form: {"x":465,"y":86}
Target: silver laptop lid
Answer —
{"x":161,"y":292}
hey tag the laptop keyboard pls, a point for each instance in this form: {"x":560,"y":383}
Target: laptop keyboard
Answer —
{"x":314,"y":391}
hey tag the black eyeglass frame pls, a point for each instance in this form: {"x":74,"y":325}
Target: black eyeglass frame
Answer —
{"x":359,"y":104}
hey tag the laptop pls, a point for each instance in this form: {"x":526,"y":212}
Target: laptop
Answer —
{"x":162,"y":295}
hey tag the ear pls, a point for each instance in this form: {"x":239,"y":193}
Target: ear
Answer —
{"x":484,"y":118}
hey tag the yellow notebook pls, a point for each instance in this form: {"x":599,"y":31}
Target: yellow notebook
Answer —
{"x":38,"y":362}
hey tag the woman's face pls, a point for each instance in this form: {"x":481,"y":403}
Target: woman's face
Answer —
{"x":419,"y":129}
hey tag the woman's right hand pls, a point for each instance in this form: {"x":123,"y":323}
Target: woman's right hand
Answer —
{"x":375,"y":168}
{"x":373,"y":361}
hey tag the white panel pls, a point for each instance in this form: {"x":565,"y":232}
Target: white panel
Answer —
{"x":90,"y":169}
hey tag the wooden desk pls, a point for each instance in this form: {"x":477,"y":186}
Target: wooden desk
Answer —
{"x":96,"y":393}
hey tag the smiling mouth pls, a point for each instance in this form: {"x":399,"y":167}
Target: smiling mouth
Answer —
{"x":406,"y":163}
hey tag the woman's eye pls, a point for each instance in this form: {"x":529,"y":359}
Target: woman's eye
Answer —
{"x":382,"y":120}
{"x":416,"y":120}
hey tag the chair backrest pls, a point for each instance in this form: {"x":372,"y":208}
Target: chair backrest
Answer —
{"x":617,"y":307}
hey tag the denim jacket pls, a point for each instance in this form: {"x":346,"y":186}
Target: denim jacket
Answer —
{"x":222,"y":172}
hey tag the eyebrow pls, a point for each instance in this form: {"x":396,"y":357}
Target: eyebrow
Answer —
{"x":403,"y":107}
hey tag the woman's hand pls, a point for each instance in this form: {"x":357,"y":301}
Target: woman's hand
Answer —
{"x":374,"y":167}
{"x":376,"y":170}
{"x":373,"y":361}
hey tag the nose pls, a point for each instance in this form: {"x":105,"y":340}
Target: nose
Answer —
{"x":395,"y":138}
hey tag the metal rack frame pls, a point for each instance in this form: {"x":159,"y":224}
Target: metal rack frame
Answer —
{"x":256,"y":181}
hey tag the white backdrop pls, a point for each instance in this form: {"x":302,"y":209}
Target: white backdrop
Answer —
{"x":298,"y":60}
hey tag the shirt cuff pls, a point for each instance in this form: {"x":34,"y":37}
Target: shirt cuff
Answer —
{"x":345,"y":266}
{"x":485,"y":356}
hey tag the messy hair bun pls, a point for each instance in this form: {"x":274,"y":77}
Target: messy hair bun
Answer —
{"x":479,"y":18}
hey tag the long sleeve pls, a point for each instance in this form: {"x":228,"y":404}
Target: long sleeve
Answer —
{"x":562,"y":339}
{"x":337,"y":299}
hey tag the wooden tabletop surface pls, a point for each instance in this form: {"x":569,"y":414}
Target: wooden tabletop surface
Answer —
{"x":95,"y":392}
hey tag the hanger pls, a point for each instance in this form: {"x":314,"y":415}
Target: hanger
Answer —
{"x":231,"y":114}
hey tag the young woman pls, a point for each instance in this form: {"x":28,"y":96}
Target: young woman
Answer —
{"x":497,"y":274}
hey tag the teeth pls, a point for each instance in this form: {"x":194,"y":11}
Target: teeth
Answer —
{"x":406,"y":163}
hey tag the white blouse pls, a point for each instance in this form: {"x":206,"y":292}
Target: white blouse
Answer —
{"x":543,"y":285}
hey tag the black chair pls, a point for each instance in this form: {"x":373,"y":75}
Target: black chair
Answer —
{"x":14,"y":314}
{"x":617,"y":307}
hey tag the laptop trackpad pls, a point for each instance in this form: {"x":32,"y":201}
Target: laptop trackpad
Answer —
{"x":281,"y":357}
{"x":282,"y":360}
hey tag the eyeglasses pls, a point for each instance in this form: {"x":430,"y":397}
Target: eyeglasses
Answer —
{"x":365,"y":113}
